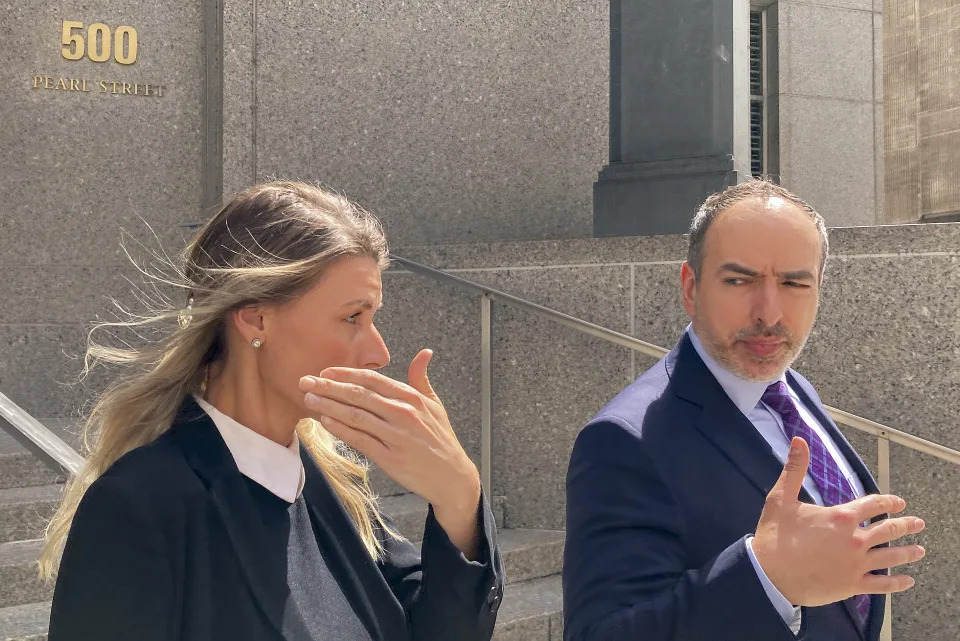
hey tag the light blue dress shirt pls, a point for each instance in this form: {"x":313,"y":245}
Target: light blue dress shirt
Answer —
{"x":746,"y":396}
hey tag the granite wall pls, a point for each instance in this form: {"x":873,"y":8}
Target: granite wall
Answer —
{"x":827,"y":105}
{"x":89,"y":148}
{"x":886,"y":347}
{"x":922,"y":93}
{"x":454,"y":121}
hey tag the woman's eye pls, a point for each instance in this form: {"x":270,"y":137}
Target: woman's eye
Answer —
{"x":353,"y":319}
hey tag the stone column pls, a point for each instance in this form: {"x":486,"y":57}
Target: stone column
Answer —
{"x":679,"y":123}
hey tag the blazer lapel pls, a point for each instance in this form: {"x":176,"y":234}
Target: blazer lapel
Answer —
{"x":722,"y":423}
{"x":209,"y":456}
{"x":348,"y":560}
{"x":877,"y":602}
{"x":850,"y":454}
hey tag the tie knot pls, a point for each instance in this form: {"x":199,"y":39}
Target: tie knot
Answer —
{"x":776,"y":393}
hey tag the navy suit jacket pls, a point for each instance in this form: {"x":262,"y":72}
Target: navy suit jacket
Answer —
{"x":664,"y":486}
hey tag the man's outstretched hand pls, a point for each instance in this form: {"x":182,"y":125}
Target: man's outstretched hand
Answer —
{"x":817,"y":555}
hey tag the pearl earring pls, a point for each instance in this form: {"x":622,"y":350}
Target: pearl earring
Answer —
{"x":256,"y":343}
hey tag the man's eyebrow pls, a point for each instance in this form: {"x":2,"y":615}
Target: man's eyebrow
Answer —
{"x":800,"y":274}
{"x":797,"y":274}
{"x":737,"y":269}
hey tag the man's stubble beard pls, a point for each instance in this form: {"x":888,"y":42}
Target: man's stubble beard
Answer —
{"x":724,"y":355}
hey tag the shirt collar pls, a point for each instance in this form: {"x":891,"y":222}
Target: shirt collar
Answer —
{"x":744,"y":394}
{"x":275,"y":467}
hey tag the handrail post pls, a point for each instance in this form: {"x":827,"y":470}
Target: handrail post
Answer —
{"x":486,"y":393}
{"x":883,"y":482}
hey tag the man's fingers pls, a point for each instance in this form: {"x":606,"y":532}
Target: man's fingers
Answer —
{"x":889,"y":530}
{"x":883,"y":584}
{"x":891,"y":557}
{"x":367,"y":445}
{"x":794,"y":470}
{"x":873,"y":505}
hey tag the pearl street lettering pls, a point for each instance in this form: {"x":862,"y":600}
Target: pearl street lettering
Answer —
{"x":98,"y":43}
{"x":83,"y":85}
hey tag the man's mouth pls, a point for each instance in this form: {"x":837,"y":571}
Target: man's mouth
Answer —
{"x":763,"y":348}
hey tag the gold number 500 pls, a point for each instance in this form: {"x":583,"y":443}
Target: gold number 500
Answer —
{"x":98,"y":44}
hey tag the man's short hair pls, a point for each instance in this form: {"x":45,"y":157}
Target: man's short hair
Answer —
{"x":719,"y":202}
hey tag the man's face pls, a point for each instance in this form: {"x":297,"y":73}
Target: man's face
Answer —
{"x":756,"y":299}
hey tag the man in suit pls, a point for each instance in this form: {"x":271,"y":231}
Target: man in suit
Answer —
{"x":714,"y":499}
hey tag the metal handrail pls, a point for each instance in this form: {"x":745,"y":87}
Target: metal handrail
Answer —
{"x":39,"y":441}
{"x":882,"y":432}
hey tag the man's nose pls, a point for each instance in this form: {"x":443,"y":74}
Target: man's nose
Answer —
{"x":768,"y":309}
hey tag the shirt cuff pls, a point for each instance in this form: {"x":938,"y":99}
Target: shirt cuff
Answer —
{"x":790,"y":614}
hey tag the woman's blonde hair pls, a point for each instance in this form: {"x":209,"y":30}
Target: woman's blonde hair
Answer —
{"x":267,"y":245}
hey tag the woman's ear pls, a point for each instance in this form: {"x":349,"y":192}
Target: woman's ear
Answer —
{"x":249,"y":322}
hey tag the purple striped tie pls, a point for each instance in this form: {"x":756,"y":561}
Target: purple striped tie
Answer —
{"x":826,"y":474}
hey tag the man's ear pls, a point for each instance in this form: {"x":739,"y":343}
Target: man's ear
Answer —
{"x":688,"y":285}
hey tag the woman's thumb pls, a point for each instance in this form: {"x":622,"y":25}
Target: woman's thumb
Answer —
{"x":417,"y":374}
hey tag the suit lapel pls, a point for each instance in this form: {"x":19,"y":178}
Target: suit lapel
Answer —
{"x":850,"y":454}
{"x":209,"y":456}
{"x":877,"y":602}
{"x":722,"y":423}
{"x":348,"y":560}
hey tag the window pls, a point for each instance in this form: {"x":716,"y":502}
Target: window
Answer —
{"x":758,"y":93}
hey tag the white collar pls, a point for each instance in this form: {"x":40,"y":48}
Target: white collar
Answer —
{"x":275,"y":467}
{"x":744,"y":394}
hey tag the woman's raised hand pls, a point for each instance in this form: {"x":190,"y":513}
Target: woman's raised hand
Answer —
{"x":405,"y":430}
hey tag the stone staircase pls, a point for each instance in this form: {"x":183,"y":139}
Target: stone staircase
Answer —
{"x":29,"y":494}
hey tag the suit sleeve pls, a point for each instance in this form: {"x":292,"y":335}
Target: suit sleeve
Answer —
{"x":627,"y":575}
{"x":115,"y":580}
{"x":446,"y":596}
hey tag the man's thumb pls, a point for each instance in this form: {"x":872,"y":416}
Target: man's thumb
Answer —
{"x":794,"y":470}
{"x":417,"y":374}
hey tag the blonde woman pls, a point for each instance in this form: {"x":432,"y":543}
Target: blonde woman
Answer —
{"x":218,"y":501}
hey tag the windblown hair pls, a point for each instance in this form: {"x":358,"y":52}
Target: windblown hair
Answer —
{"x":268,"y":245}
{"x":719,"y":202}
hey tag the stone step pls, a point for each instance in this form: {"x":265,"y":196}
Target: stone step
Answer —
{"x":19,"y":583}
{"x":26,"y":622}
{"x":531,"y":611}
{"x":19,"y":468}
{"x":24,"y":511}
{"x":531,"y":554}
{"x":409,"y":512}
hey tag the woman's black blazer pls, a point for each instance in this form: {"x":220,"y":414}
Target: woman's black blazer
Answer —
{"x":167,"y":545}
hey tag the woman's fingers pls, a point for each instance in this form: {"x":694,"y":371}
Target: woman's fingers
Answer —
{"x":354,"y":417}
{"x":371,"y":447}
{"x":365,"y":398}
{"x":365,"y":378}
